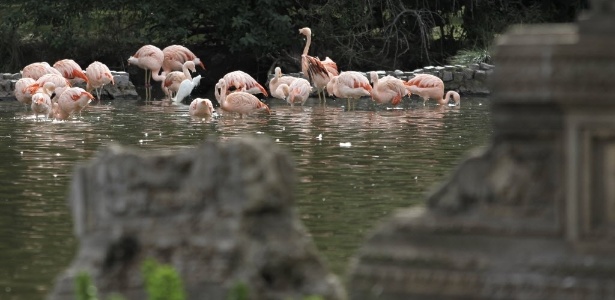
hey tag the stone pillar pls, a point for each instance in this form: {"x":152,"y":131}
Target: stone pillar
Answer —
{"x":532,"y":216}
{"x":221,"y":214}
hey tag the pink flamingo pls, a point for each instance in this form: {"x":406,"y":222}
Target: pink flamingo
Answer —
{"x":239,"y":102}
{"x":331,"y":66}
{"x":98,"y":76}
{"x":429,"y":86}
{"x":241,"y":81}
{"x":201,"y":107}
{"x":175,"y":78}
{"x":277,"y":80}
{"x":70,"y":70}
{"x":297,"y":92}
{"x":41,"y":104}
{"x":313,"y":68}
{"x":150,"y":59}
{"x":175,"y":56}
{"x":350,"y":85}
{"x":387,"y":89}
{"x":59,"y":83}
{"x":22,"y":94}
{"x":72,"y":100}
{"x":38,"y":69}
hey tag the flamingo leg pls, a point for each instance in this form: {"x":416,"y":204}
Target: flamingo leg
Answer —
{"x":324,"y":97}
{"x":146,"y":86}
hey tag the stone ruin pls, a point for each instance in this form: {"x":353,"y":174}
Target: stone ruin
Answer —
{"x":221,"y":214}
{"x":533,"y":215}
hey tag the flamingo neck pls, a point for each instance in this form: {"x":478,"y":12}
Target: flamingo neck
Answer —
{"x":455,"y":96}
{"x":223,"y":97}
{"x":307,"y":44}
{"x":158,"y":77}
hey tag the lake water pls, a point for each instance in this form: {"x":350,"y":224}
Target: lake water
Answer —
{"x":367,"y":163}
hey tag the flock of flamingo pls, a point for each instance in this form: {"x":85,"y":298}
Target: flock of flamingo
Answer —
{"x":49,"y":91}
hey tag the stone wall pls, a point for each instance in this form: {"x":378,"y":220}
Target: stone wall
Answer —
{"x":123,"y":89}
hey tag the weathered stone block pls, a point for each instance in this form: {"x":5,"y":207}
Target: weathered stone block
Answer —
{"x":447,"y":76}
{"x":480,"y":75}
{"x":458,"y":76}
{"x":221,"y":214}
{"x":468,"y":74}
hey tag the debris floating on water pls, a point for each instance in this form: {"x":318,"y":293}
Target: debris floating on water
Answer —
{"x":345,"y":145}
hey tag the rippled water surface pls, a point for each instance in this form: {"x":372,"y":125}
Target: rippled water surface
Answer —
{"x":367,"y":163}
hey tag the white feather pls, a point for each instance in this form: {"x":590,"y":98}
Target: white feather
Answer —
{"x":186,"y":87}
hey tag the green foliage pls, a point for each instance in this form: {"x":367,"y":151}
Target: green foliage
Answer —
{"x":470,"y":56}
{"x":162,"y":281}
{"x":84,"y":288}
{"x":239,"y":291}
{"x":313,"y":297}
{"x":357,"y":34}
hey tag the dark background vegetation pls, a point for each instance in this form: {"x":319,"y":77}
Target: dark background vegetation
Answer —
{"x":256,"y":35}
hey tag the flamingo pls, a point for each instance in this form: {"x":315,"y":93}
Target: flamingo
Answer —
{"x":387,"y":89}
{"x":239,"y":102}
{"x":313,"y":68}
{"x":175,"y":56}
{"x":241,"y":81}
{"x":38,"y":69}
{"x":72,"y":100}
{"x":331,"y":66}
{"x":298,"y":91}
{"x":175,"y":78}
{"x":186,"y":87}
{"x":22,"y":94}
{"x":201,"y":107}
{"x":350,"y":85}
{"x":98,"y":75}
{"x":429,"y":86}
{"x":41,"y":104}
{"x":57,"y":81}
{"x":149,"y":58}
{"x":70,"y":70}
{"x":278,"y":80}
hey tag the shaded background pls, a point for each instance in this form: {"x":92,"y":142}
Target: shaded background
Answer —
{"x":255,"y":36}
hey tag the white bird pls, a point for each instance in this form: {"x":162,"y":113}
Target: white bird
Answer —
{"x":186,"y":87}
{"x":174,"y":79}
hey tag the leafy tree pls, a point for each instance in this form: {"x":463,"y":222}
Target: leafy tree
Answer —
{"x":357,"y":34}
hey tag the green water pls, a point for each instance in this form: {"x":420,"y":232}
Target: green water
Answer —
{"x":367,"y":163}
